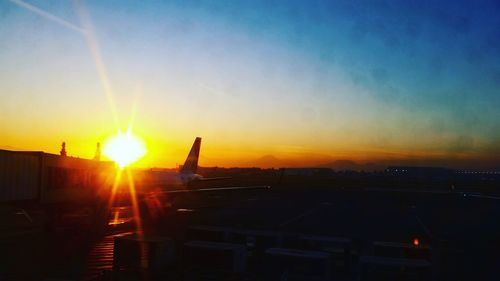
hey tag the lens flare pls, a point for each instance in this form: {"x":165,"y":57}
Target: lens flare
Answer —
{"x":124,"y":149}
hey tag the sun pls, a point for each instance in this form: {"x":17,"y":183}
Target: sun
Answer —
{"x":124,"y":148}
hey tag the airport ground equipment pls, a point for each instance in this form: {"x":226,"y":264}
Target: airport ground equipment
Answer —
{"x":294,"y":264}
{"x":394,"y":260}
{"x":401,"y":250}
{"x":142,"y":253}
{"x":208,"y":233}
{"x":386,"y":268}
{"x":341,"y":251}
{"x":205,"y":259}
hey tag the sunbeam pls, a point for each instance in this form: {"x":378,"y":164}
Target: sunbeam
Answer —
{"x":137,"y":218}
{"x":134,"y":201}
{"x":89,"y":35}
{"x":115,"y":187}
{"x":93,"y":46}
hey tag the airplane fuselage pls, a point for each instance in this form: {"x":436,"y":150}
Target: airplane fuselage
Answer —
{"x":173,"y":179}
{"x":179,"y":181}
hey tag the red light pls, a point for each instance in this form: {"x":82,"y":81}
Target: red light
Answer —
{"x":416,"y":242}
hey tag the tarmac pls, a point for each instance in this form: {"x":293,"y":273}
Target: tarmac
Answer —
{"x":467,"y":226}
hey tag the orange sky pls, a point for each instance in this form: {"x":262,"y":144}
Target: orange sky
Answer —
{"x":304,"y":90}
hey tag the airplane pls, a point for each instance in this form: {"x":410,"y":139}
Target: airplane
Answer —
{"x":183,"y":180}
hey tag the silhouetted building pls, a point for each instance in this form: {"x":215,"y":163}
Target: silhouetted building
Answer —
{"x":428,"y":172}
{"x":46,"y":178}
{"x":97,"y":155}
{"x":63,"y":149}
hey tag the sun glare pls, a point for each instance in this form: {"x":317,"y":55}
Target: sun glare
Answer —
{"x":124,"y":149}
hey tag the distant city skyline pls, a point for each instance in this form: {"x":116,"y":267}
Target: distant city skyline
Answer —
{"x":283,"y":81}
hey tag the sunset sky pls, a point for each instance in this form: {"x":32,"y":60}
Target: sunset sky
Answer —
{"x":307,"y":82}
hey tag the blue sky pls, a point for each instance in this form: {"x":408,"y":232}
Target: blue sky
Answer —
{"x":312,"y":80}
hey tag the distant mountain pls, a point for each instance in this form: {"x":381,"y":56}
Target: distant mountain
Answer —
{"x":349,"y":165}
{"x":268,"y":161}
{"x":271,"y":161}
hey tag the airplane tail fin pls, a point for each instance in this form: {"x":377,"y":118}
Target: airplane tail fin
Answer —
{"x":191,"y":163}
